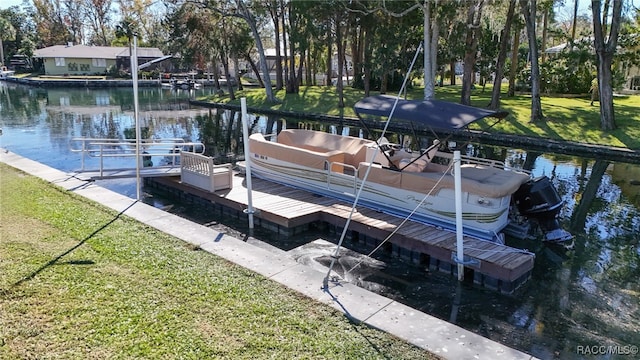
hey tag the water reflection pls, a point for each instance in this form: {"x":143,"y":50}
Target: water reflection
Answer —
{"x":581,"y":297}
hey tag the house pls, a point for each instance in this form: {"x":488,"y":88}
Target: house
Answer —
{"x":91,"y":60}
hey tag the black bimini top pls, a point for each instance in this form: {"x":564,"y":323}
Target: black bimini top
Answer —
{"x":436,"y":114}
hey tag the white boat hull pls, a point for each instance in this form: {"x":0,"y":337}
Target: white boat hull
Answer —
{"x":483,"y":216}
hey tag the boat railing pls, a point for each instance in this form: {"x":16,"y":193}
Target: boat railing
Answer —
{"x":271,"y":136}
{"x":101,"y":148}
{"x":482,"y":162}
{"x":339,"y":170}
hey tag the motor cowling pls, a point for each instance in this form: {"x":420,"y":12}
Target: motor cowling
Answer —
{"x":538,"y":200}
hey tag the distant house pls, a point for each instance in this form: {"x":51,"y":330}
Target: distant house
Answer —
{"x":91,"y":60}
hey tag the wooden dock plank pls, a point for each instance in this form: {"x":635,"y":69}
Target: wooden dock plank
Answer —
{"x":288,"y":207}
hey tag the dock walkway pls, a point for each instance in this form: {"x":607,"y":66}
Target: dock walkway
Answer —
{"x":288,"y":210}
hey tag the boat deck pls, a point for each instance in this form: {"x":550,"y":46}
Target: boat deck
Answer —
{"x":285,"y":209}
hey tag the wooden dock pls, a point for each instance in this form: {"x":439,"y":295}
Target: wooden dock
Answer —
{"x":289,"y":211}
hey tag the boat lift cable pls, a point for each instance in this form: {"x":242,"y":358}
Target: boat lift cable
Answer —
{"x":325,"y":282}
{"x":403,"y":221}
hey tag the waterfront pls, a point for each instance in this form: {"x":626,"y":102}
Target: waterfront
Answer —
{"x":585,"y":297}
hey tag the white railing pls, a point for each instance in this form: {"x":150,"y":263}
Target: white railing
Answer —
{"x":482,"y":162}
{"x":169,"y":149}
{"x":200,"y":171}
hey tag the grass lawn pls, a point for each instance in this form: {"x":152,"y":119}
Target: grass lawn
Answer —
{"x":568,"y":118}
{"x":78,"y":281}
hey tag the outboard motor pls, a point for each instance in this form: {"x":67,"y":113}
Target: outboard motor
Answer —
{"x":538,"y":200}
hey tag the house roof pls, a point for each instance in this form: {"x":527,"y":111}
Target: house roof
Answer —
{"x":94,"y":52}
{"x":560,"y":48}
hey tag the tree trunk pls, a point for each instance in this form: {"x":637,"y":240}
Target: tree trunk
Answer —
{"x":529,"y":12}
{"x":435,"y":33}
{"x":225,"y":64}
{"x":579,"y":217}
{"x":604,"y":53}
{"x":216,"y":76}
{"x":575,"y":20}
{"x":429,"y":90}
{"x":452,"y":66}
{"x":254,"y":68}
{"x":288,"y":61}
{"x":340,"y":45}
{"x":545,"y":25}
{"x":309,"y":75}
{"x":383,"y":83}
{"x":276,"y":30}
{"x":298,"y":78}
{"x":474,"y":15}
{"x":514,"y":63}
{"x":236,"y":66}
{"x":366,"y":62}
{"x":251,"y":21}
{"x":329,"y":69}
{"x":357,"y":34}
{"x":502,"y":57}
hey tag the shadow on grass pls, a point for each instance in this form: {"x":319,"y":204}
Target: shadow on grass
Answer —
{"x":355,"y":322}
{"x":57,"y":259}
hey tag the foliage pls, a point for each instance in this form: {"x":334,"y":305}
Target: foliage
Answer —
{"x":569,"y":118}
{"x":569,"y":71}
{"x":488,"y":47}
{"x":17,"y":37}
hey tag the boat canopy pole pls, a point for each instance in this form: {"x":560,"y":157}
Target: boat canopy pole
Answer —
{"x":245,"y":136}
{"x":325,"y":282}
{"x":136,"y":117}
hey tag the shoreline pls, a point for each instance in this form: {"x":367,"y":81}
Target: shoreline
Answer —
{"x":565,"y":147}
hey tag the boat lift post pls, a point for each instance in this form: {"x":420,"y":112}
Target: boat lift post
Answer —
{"x":458,"y":199}
{"x":134,"y":77}
{"x":245,"y":135}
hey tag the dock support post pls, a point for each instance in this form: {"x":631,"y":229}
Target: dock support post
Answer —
{"x":458,"y":199}
{"x":134,"y":75}
{"x":245,"y":136}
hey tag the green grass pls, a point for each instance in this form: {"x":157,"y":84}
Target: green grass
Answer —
{"x":78,"y":281}
{"x":568,"y":118}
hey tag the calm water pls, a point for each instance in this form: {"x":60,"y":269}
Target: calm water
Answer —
{"x":578,"y":301}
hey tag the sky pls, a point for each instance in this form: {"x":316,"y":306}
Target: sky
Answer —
{"x":9,"y":3}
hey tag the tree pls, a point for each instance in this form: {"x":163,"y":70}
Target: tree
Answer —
{"x":605,"y":51}
{"x":126,"y":29}
{"x":513,"y":68}
{"x":474,"y":14}
{"x":141,"y":13}
{"x":502,"y":56}
{"x":98,"y":14}
{"x":16,"y":32}
{"x":529,"y":12}
{"x":50,"y":26}
{"x":7,"y":32}
{"x":242,"y":11}
{"x":74,"y":17}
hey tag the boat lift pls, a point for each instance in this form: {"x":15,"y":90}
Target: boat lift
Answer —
{"x":168,"y":149}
